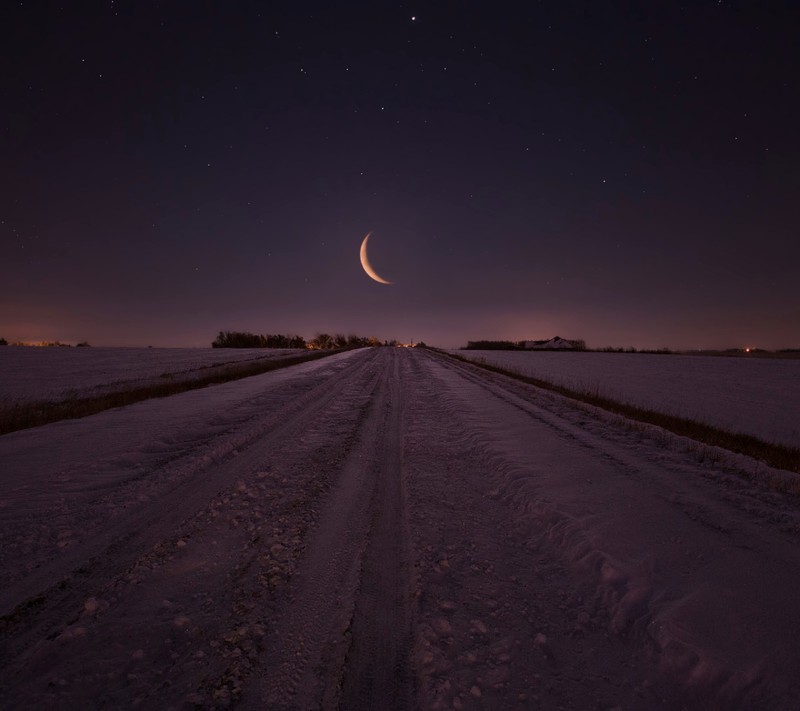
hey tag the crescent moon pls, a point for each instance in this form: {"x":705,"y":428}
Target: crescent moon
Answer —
{"x":367,"y":266}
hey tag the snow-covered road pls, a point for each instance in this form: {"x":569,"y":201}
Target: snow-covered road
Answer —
{"x":391,"y":529}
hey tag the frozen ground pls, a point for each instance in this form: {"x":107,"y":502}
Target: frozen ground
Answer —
{"x":387,"y":529}
{"x":46,"y":374}
{"x":755,"y":396}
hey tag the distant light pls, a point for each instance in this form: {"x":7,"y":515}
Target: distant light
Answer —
{"x":413,"y":18}
{"x":746,"y":350}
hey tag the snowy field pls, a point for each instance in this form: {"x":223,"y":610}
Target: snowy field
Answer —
{"x":47,"y":374}
{"x":388,"y":528}
{"x":755,"y":396}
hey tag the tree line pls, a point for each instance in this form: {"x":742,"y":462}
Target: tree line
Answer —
{"x":494,"y":345}
{"x":49,"y":344}
{"x":575,"y":345}
{"x":322,"y":341}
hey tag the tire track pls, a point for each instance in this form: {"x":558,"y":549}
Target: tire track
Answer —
{"x":342,"y":640}
{"x":378,"y":674}
{"x":177,"y":487}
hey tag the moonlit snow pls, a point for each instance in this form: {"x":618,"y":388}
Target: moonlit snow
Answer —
{"x":35,"y":374}
{"x":388,"y":528}
{"x":755,"y":396}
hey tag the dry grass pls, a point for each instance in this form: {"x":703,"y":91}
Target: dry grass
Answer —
{"x":26,"y":415}
{"x":775,"y":455}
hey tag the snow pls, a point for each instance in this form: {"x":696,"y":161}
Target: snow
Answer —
{"x":755,"y":396}
{"x":38,"y":374}
{"x":388,"y":528}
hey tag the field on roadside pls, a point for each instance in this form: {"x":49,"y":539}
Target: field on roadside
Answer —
{"x":30,"y":374}
{"x":758,"y":397}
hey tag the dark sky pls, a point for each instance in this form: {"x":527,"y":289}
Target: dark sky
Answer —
{"x":623,"y":172}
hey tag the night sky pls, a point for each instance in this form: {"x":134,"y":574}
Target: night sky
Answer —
{"x":627,"y":173}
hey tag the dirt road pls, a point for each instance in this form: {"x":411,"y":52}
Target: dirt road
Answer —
{"x":387,"y":529}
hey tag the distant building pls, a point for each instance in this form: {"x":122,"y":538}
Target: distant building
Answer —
{"x":555,"y":344}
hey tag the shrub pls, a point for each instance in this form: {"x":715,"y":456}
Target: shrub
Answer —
{"x":237,"y":339}
{"x":492,"y":346}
